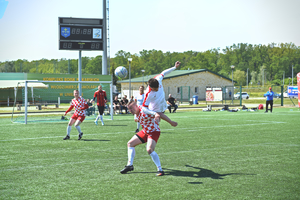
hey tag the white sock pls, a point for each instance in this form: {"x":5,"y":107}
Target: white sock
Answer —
{"x":98,"y":117}
{"x":138,"y":125}
{"x":101,"y":117}
{"x":131,"y":154}
{"x":69,"y":128}
{"x":78,"y":129}
{"x":156,"y":160}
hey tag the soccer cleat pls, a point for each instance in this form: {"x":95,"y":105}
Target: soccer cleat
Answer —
{"x":96,"y":122}
{"x":137,"y":130}
{"x":80,"y":136}
{"x":66,"y":138}
{"x":127,"y":169}
{"x":102,"y":123}
{"x":160,"y":173}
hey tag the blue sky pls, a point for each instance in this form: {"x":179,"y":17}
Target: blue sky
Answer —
{"x":29,"y":28}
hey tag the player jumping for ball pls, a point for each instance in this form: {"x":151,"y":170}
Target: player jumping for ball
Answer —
{"x":149,"y":134}
{"x":80,"y":105}
{"x":155,"y":95}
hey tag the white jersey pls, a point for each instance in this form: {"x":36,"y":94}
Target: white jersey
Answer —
{"x":139,"y":99}
{"x":156,"y":101}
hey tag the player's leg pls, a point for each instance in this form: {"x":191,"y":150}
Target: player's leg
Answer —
{"x":98,"y":116}
{"x":134,"y":141}
{"x":267,"y":103}
{"x":151,"y":144}
{"x":271,"y":105}
{"x":101,"y":110}
{"x":77,"y":123}
{"x":69,"y":128}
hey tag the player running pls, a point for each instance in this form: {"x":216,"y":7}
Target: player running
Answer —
{"x":101,"y":101}
{"x":149,"y":134}
{"x":79,"y":115}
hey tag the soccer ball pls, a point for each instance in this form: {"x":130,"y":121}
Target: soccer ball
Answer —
{"x":121,"y":72}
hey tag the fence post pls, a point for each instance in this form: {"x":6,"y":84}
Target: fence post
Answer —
{"x":240,"y":95}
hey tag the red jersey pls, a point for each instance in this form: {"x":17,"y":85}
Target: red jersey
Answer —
{"x":101,"y":97}
{"x":79,"y":104}
{"x":147,"y":121}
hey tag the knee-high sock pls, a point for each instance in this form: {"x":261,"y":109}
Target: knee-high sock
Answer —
{"x":131,"y":154}
{"x":138,"y":125}
{"x":78,"y":129}
{"x":98,"y":117}
{"x":101,"y":117}
{"x":156,"y":160}
{"x":69,"y":128}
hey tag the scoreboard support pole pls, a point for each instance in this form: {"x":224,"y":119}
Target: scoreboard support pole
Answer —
{"x":104,"y":37}
{"x":79,"y":73}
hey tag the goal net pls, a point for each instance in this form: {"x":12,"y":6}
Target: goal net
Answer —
{"x":48,"y":101}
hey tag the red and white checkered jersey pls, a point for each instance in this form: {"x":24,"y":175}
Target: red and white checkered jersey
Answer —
{"x":147,"y":121}
{"x":79,"y":103}
{"x":156,"y":101}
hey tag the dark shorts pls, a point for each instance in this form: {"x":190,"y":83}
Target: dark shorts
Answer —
{"x":76,"y":117}
{"x":144,"y":136}
{"x":101,"y":109}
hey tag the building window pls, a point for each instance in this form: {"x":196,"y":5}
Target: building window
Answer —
{"x":178,"y":90}
{"x":196,"y":90}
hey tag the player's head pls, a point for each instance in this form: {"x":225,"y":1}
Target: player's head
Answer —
{"x":100,"y":87}
{"x":153,"y":84}
{"x":270,"y":89}
{"x":141,"y":89}
{"x":76,"y":94}
{"x":133,"y":108}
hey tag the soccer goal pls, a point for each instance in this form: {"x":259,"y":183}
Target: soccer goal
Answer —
{"x":46,"y":101}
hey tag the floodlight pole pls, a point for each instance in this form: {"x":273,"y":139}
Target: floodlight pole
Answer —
{"x":247,"y":77}
{"x":292,"y":74}
{"x":129,"y":60}
{"x":143,"y":71}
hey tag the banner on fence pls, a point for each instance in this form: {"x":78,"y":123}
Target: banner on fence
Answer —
{"x":298,"y":82}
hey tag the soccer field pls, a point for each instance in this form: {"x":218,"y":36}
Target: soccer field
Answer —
{"x":209,"y":155}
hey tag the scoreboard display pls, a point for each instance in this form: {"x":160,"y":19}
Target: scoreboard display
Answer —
{"x":80,"y":34}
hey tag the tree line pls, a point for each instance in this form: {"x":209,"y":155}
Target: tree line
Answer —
{"x":264,"y":63}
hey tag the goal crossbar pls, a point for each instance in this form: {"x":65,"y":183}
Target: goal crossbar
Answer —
{"x":79,"y":82}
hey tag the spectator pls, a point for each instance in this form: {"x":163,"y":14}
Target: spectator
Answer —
{"x":124,"y":103}
{"x":269,"y":95}
{"x":117,"y":105}
{"x":171,"y":103}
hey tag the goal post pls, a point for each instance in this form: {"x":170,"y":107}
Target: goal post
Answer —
{"x":58,"y":93}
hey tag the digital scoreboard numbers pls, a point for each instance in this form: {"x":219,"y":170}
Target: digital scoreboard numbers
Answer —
{"x":67,"y":45}
{"x":80,"y":34}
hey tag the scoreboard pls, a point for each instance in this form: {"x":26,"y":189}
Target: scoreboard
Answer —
{"x":80,"y":34}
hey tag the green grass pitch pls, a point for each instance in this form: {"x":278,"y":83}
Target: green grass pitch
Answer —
{"x":209,"y":155}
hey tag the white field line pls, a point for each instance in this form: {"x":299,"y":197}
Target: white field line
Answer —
{"x":189,"y":129}
{"x":147,"y":156}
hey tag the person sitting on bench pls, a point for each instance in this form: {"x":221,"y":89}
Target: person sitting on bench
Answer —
{"x":171,"y":103}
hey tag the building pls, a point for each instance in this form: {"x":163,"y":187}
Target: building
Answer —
{"x":182,"y":84}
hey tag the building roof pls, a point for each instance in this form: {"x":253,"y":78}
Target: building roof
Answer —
{"x":173,"y":74}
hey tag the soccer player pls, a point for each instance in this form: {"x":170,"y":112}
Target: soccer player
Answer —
{"x":269,"y":95}
{"x":149,"y":134}
{"x":101,"y":101}
{"x":155,"y":95}
{"x":139,"y":99}
{"x":80,"y":105}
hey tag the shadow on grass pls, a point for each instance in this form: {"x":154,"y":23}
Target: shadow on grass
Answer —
{"x":202,"y":173}
{"x":92,"y":140}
